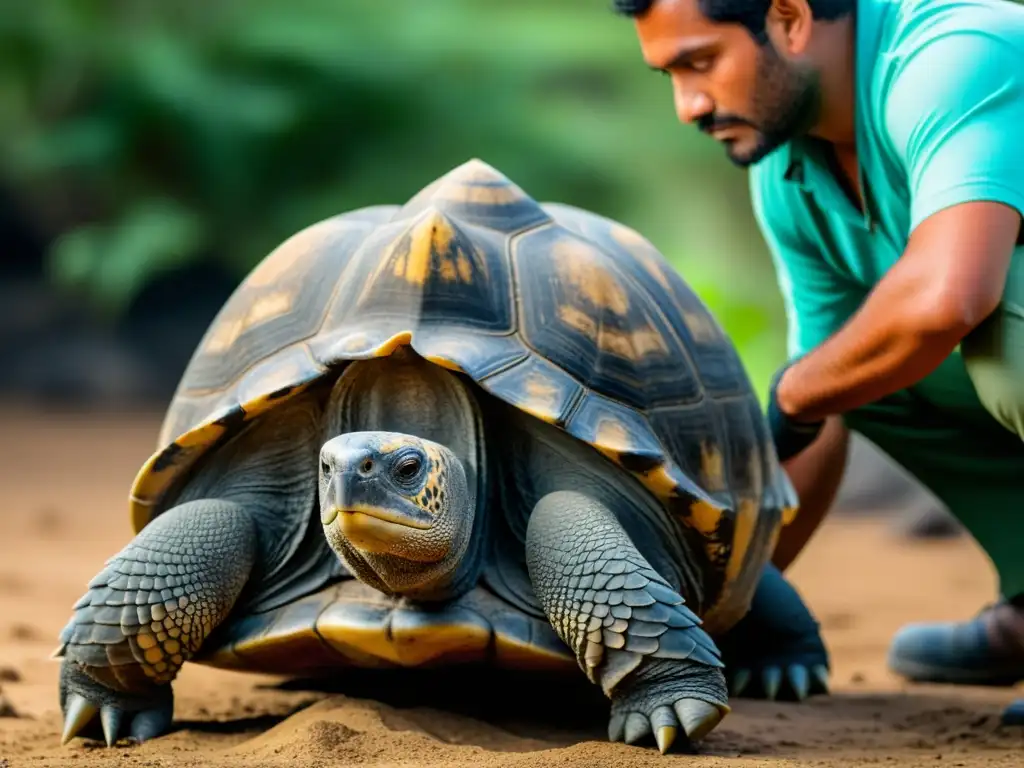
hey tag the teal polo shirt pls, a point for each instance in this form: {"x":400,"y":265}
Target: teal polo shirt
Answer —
{"x":939,"y":121}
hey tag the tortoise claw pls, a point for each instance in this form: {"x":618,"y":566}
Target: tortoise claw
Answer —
{"x":616,"y":727}
{"x":821,"y":676}
{"x":82,"y":698}
{"x":79,"y":712}
{"x":740,"y":681}
{"x":697,"y":717}
{"x":665,"y":736}
{"x":799,"y":680}
{"x":637,"y":726}
{"x":111,"y":718}
{"x":771,"y":679}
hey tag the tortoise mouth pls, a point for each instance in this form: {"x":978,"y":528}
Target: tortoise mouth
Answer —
{"x":383,"y":532}
{"x":380,"y":514}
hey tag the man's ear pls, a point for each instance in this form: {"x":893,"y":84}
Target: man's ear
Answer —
{"x":788,"y":25}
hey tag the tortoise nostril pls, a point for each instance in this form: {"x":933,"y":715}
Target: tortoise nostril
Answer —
{"x":366,"y":467}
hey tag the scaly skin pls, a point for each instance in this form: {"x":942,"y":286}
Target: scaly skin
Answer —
{"x":631,"y":632}
{"x":149,"y":611}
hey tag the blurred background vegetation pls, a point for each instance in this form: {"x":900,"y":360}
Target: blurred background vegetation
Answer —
{"x":155,"y":150}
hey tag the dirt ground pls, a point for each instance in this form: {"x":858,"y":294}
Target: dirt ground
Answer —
{"x":64,"y":481}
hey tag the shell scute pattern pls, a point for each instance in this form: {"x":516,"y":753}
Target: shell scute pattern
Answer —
{"x":581,"y":309}
{"x":572,"y":318}
{"x":281,"y":302}
{"x":721,"y":371}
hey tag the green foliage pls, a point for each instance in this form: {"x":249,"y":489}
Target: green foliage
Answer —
{"x":152,"y":133}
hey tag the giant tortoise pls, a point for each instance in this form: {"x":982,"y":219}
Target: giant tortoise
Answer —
{"x":470,"y":429}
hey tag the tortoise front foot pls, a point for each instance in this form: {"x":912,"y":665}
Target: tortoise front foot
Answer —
{"x":84,"y":701}
{"x":632,"y":633}
{"x":776,"y":651}
{"x":662,"y":698}
{"x":147,"y":612}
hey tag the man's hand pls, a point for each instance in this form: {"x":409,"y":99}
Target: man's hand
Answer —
{"x":949,"y":279}
{"x":789,"y":435}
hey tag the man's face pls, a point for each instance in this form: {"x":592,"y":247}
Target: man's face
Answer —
{"x":744,"y":94}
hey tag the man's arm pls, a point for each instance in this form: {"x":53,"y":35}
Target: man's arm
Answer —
{"x":956,"y":119}
{"x":817,"y":299}
{"x":950,"y":278}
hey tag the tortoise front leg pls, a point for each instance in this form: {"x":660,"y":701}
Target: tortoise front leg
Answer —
{"x":147,"y":612}
{"x":631,"y":632}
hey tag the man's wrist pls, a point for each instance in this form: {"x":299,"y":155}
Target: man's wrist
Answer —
{"x":790,"y":435}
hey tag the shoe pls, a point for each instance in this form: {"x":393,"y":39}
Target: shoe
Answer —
{"x":1014,"y":714}
{"x":988,"y":650}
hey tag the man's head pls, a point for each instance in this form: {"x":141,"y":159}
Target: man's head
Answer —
{"x":744,"y":71}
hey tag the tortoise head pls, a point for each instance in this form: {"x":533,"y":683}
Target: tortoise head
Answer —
{"x":395,"y":509}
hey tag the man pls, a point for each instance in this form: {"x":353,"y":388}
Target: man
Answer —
{"x":886,"y":145}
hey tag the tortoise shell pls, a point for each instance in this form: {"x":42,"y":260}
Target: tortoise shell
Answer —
{"x":571,"y":317}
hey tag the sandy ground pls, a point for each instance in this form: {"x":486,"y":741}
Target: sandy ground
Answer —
{"x":64,"y":481}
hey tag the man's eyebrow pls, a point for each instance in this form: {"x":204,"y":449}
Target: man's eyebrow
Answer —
{"x":684,"y":53}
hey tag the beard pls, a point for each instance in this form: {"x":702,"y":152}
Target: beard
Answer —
{"x":785,"y":105}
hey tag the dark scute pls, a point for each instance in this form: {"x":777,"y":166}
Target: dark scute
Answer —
{"x":167,"y":458}
{"x":640,"y":462}
{"x":479,"y":194}
{"x":716,"y":365}
{"x":384,"y":287}
{"x":322,"y":253}
{"x":283,"y":392}
{"x":590,"y":318}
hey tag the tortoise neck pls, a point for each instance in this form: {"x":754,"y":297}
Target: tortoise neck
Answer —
{"x":407,"y":394}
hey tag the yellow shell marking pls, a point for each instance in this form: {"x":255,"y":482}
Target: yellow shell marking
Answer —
{"x":484,"y":195}
{"x":541,"y":397}
{"x":576,"y":318}
{"x":284,"y":257}
{"x":261,"y":309}
{"x":631,"y":345}
{"x":434,"y":233}
{"x":746,"y":523}
{"x":400,"y":339}
{"x":585,"y":279}
{"x":613,"y":435}
{"x":474,"y":182}
{"x":712,"y":467}
{"x":660,"y":482}
{"x":465,"y":268}
{"x":444,"y":362}
{"x":704,"y":517}
{"x":643,"y":251}
{"x":268,"y":307}
{"x":702,"y":327}
{"x":431,"y":246}
{"x":581,"y":270}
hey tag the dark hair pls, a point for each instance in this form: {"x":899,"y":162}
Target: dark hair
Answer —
{"x":749,"y":13}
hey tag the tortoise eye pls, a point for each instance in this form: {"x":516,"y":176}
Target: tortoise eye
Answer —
{"x":407,"y":469}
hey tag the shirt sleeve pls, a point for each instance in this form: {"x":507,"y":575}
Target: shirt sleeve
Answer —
{"x":817,"y":298}
{"x":955,"y":113}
